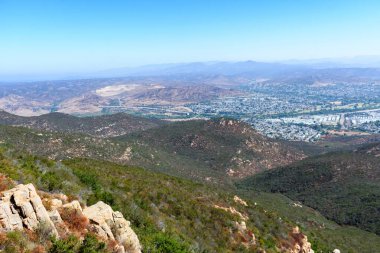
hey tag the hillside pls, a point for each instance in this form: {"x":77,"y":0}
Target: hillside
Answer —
{"x":333,"y":143}
{"x":100,"y":126}
{"x":89,"y":96}
{"x":343,"y":186}
{"x":323,"y":233}
{"x":214,"y":150}
{"x":59,"y":145}
{"x":174,"y":215}
{"x":217,"y":151}
{"x":138,"y":193}
{"x":168,"y":214}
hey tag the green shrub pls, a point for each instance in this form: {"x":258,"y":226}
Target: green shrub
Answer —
{"x":68,"y":245}
{"x":44,"y":232}
{"x":91,"y":244}
{"x":164,"y":243}
{"x":72,"y":244}
{"x":14,"y":242}
{"x":51,"y":181}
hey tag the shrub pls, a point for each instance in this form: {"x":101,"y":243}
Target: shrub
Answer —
{"x":39,"y":249}
{"x":51,"y":181}
{"x":43,"y":232}
{"x":88,"y":179}
{"x":104,"y":196}
{"x":91,"y":244}
{"x":68,"y":245}
{"x":74,"y":220}
{"x":72,"y":244}
{"x":5,"y":183}
{"x":163,"y":243}
{"x":14,"y":242}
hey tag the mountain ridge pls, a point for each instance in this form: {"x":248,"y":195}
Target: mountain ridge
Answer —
{"x":100,"y":126}
{"x":253,"y":68}
{"x":224,"y":147}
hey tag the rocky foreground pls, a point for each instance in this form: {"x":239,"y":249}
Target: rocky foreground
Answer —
{"x":23,"y":208}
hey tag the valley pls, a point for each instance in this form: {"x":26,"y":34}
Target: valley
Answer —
{"x":217,"y":158}
{"x":304,"y":106}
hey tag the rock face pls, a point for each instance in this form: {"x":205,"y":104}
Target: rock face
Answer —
{"x":247,"y":236}
{"x":55,"y":204}
{"x":240,"y":201}
{"x":302,"y":245}
{"x":112,"y":225}
{"x":74,"y":206}
{"x":55,"y":216}
{"x":21,"y":207}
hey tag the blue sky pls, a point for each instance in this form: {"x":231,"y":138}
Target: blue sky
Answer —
{"x":76,"y":35}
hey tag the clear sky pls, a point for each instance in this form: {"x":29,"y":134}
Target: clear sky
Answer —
{"x":89,"y":35}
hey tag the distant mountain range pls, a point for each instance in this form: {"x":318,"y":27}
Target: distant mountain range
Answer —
{"x":251,"y":68}
{"x":205,"y":68}
{"x":369,"y":61}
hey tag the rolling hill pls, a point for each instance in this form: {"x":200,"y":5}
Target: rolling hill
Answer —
{"x":197,"y":216}
{"x":183,"y":215}
{"x":100,"y":126}
{"x":213,"y":150}
{"x":217,"y":151}
{"x":343,"y":186}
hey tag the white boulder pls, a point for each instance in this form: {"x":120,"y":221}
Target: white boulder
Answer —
{"x":112,"y":225}
{"x":21,"y":207}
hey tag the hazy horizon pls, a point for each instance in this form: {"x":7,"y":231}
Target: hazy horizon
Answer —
{"x":71,"y":37}
{"x":365,"y":61}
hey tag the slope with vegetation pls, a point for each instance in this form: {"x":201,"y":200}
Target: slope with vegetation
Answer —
{"x":324,"y":234}
{"x":217,"y":150}
{"x":343,"y":186}
{"x":100,"y":126}
{"x":60,"y":145}
{"x":168,"y":214}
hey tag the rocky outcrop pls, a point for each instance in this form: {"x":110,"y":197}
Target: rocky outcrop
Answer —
{"x":112,"y":225}
{"x":55,"y":216}
{"x":73,"y":206}
{"x":246,"y":236}
{"x":240,"y":201}
{"x":241,"y":233}
{"x":233,"y":211}
{"x":21,"y":207}
{"x":302,"y":245}
{"x":55,"y":204}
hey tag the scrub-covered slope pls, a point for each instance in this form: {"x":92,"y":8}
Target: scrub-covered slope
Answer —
{"x":343,"y":186}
